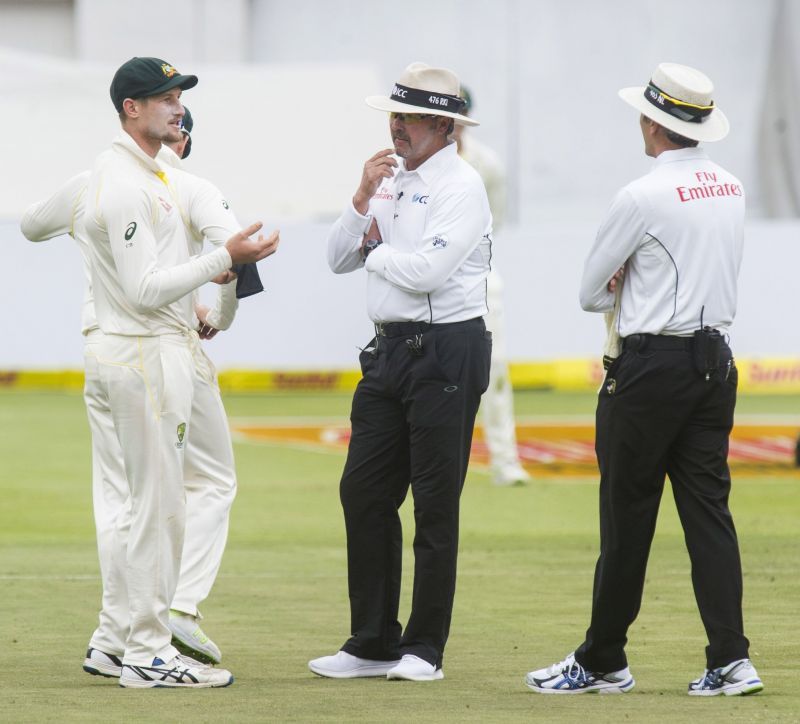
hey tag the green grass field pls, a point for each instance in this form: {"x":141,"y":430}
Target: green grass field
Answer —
{"x":527,"y":556}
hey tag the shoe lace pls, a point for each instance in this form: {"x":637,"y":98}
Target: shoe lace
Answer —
{"x":561,"y":665}
{"x":190,"y":662}
{"x":570,"y":668}
{"x":714,"y":678}
{"x":575,"y":672}
{"x":711,"y":679}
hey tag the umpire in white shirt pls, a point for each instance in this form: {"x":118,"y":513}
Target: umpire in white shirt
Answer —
{"x":666,"y":406}
{"x":420,"y":224}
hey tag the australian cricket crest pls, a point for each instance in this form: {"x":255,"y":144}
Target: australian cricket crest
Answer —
{"x":181,"y":435}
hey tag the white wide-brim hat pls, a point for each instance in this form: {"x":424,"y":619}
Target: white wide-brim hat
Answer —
{"x":679,"y":98}
{"x":425,"y":90}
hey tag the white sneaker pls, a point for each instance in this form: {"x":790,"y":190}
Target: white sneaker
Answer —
{"x":180,"y":672}
{"x":189,"y":638}
{"x":736,"y":679}
{"x":511,"y":475}
{"x":346,"y":666}
{"x":413,"y":668}
{"x":569,"y":677}
{"x":99,"y":663}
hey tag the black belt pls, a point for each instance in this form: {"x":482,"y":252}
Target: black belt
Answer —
{"x":656,"y":342}
{"x":404,"y":329}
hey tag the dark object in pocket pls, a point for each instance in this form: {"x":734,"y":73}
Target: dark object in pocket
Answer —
{"x":706,"y":351}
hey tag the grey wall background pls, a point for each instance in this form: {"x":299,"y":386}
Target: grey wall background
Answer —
{"x":281,"y":127}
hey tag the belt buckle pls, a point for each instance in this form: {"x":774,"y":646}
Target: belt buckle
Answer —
{"x":380,"y":329}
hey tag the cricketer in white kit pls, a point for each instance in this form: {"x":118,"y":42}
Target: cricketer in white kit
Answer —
{"x":209,"y":473}
{"x":149,"y":363}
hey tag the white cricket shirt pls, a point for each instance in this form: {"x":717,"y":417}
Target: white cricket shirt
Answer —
{"x":205,"y":214}
{"x":142,"y":274}
{"x":680,"y":232}
{"x":207,"y":217}
{"x":436,"y":228}
{"x":63,"y":213}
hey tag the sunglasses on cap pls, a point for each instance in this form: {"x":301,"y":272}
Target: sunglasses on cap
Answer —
{"x":410,"y":117}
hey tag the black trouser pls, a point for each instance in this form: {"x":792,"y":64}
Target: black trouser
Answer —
{"x":412,"y":420}
{"x":657,"y":416}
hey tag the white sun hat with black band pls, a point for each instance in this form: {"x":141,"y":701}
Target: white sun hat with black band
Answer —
{"x":679,"y":98}
{"x":425,"y":90}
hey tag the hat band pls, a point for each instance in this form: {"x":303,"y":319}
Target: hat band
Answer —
{"x":427,"y":99}
{"x":681,"y":110}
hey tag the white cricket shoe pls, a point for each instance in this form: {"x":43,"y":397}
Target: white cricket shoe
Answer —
{"x":510,"y":475}
{"x":181,"y":672}
{"x":346,"y":666}
{"x":99,"y":663}
{"x":190,"y":639}
{"x":413,"y":668}
{"x":738,"y":678}
{"x":569,"y":677}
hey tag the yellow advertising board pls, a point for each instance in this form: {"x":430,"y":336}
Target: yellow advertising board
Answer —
{"x":762,"y":376}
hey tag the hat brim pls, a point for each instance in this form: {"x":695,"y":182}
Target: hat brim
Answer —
{"x":714,"y":128}
{"x":184,"y":82}
{"x":382,"y":103}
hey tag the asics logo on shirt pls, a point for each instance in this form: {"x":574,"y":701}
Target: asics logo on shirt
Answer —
{"x":130,"y":231}
{"x":419,"y":199}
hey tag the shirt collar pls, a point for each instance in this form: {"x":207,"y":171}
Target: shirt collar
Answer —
{"x":168,"y":157}
{"x":434,"y":165}
{"x":680,"y":154}
{"x":125,"y":143}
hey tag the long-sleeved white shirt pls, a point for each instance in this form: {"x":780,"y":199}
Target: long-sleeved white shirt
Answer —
{"x":436,"y":229}
{"x":142,"y":273}
{"x":63,"y":213}
{"x":680,"y":232}
{"x":207,"y":217}
{"x":205,"y":213}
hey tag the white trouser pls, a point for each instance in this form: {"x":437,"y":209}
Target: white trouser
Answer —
{"x":210,"y":484}
{"x":109,"y":484}
{"x":208,"y":479}
{"x":497,"y":403}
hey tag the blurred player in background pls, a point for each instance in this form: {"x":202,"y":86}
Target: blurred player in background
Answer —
{"x":497,"y":404}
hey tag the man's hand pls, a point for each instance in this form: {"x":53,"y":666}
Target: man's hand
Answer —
{"x":618,"y":276}
{"x":204,"y":329}
{"x":225,"y":278}
{"x":244,"y":250}
{"x":377,"y":168}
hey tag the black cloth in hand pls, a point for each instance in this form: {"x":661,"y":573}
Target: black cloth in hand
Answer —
{"x":247,"y":280}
